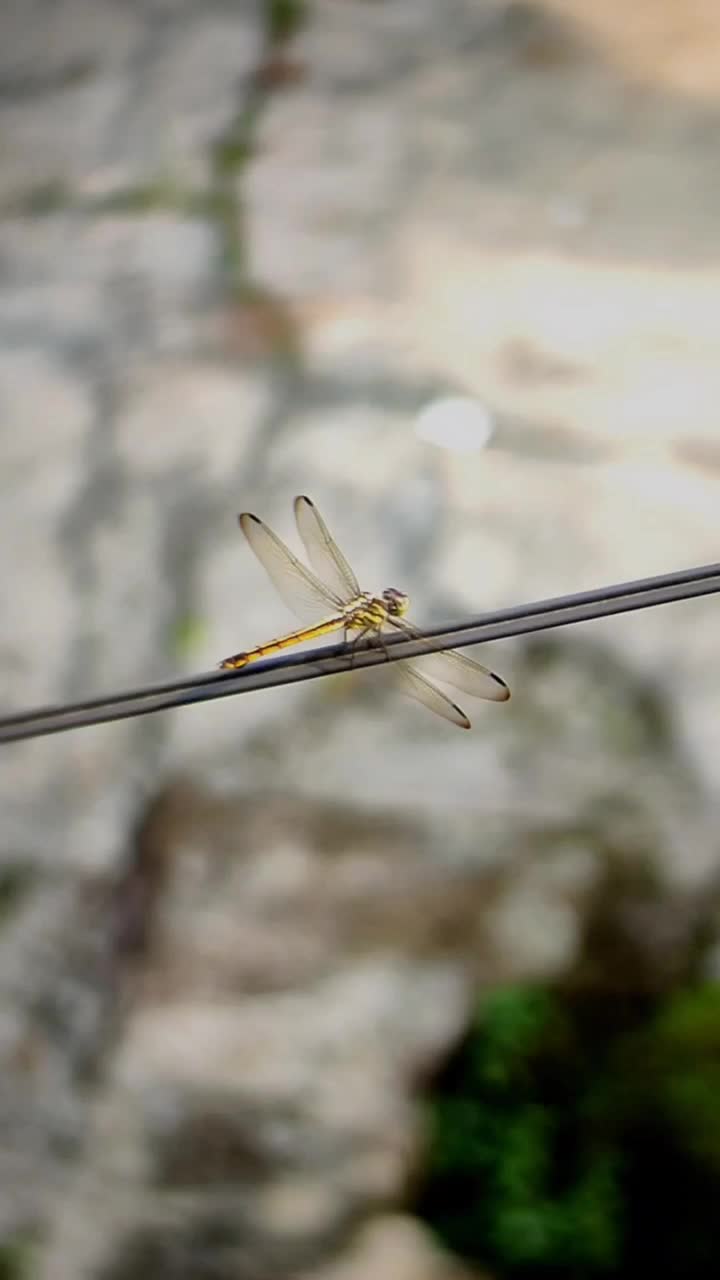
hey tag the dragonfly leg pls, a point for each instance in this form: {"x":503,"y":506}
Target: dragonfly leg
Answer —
{"x":381,"y":642}
{"x":377,"y":639}
{"x":354,"y":642}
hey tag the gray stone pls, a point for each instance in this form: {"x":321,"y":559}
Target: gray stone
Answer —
{"x":473,"y":198}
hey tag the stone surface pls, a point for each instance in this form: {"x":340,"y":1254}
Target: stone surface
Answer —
{"x":236,"y":937}
{"x":102,"y":97}
{"x":394,"y":1247}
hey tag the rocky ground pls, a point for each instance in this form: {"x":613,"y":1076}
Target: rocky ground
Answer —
{"x":242,"y":244}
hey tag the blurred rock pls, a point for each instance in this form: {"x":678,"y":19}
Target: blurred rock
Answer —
{"x":237,"y":939}
{"x":393,"y":1248}
{"x":100,"y":98}
{"x":295,"y":972}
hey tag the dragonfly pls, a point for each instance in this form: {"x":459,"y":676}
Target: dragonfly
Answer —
{"x":328,"y":598}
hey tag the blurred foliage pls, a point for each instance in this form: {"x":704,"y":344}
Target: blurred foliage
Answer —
{"x":579,"y":1135}
{"x":284,"y":19}
{"x":15,"y":1259}
{"x":39,"y":199}
{"x":188,"y":634}
{"x":15,"y":882}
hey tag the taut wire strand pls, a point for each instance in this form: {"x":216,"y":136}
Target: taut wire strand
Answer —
{"x":541,"y":615}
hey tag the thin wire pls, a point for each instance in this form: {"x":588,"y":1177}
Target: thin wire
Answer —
{"x":559,"y":611}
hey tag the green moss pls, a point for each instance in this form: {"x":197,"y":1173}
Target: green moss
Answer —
{"x":146,"y":197}
{"x":680,"y":1059}
{"x":234,"y":149}
{"x":188,"y":634}
{"x":41,"y":200}
{"x":572,"y":1136}
{"x":284,"y":18}
{"x":15,"y":881}
{"x":233,"y":152}
{"x":15,"y":1259}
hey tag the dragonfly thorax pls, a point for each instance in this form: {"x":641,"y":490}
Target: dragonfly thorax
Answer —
{"x":369,"y":613}
{"x":396,"y":602}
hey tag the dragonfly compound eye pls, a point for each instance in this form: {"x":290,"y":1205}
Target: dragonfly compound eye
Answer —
{"x":396,"y":601}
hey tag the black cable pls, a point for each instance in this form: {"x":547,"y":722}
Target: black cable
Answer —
{"x":541,"y":615}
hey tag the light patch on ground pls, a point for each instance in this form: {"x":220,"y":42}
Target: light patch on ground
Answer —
{"x":671,"y":43}
{"x":614,"y":350}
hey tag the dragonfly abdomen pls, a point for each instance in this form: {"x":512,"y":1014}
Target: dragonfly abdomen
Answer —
{"x":324,"y":628}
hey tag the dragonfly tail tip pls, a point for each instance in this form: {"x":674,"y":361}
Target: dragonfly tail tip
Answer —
{"x":235,"y":663}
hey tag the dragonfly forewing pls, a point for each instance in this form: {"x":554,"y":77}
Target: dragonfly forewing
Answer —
{"x":323,"y":552}
{"x":304,"y":594}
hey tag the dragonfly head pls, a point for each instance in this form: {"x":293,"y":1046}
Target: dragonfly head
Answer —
{"x":396,"y":602}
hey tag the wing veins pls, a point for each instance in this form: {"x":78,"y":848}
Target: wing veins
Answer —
{"x":300,"y":589}
{"x":323,"y":552}
{"x":453,"y":668}
{"x":424,"y":691}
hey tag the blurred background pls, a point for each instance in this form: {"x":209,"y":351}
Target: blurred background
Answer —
{"x":308,"y":985}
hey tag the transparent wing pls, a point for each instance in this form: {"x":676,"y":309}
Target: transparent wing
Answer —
{"x":455,"y":669}
{"x":416,"y":686}
{"x":303,"y":593}
{"x":323,"y":553}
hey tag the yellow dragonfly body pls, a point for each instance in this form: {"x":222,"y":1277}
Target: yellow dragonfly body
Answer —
{"x":333,"y":592}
